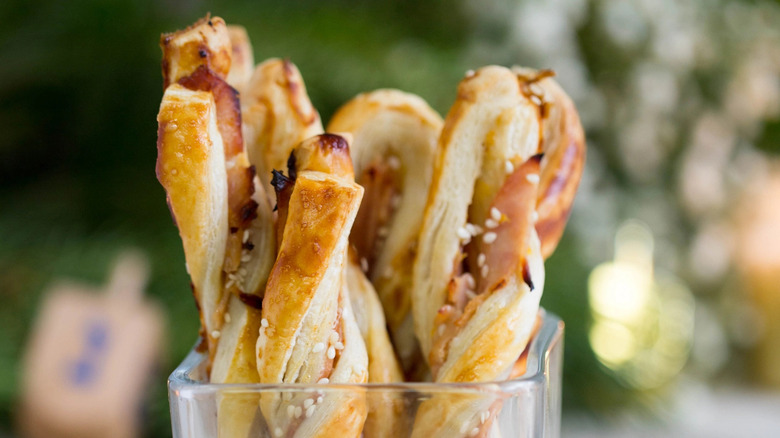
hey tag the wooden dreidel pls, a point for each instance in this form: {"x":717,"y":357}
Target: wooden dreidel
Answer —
{"x":90,"y":357}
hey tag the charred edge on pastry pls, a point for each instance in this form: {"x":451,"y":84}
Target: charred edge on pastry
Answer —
{"x":527,"y":275}
{"x":279,"y":181}
{"x":537,"y":158}
{"x":333,"y":142}
{"x":249,"y":246}
{"x":202,"y":53}
{"x":250,"y":300}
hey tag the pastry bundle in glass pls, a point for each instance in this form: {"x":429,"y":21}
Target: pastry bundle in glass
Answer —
{"x":390,"y":245}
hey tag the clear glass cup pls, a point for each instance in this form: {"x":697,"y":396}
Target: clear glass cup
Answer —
{"x":529,"y":406}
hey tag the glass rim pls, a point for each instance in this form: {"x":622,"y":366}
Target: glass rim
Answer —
{"x":549,"y":336}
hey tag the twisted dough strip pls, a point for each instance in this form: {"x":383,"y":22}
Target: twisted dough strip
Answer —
{"x":479,"y":273}
{"x":394,"y":142}
{"x":278,"y":115}
{"x":223,"y":215}
{"x":308,"y":332}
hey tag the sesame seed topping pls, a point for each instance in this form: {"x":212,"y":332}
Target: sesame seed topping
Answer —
{"x":364,"y":264}
{"x":474,"y":431}
{"x":242,"y":272}
{"x":440,"y":330}
{"x":323,"y":381}
{"x":230,"y":284}
{"x":263,"y":322}
{"x":394,"y":162}
{"x":483,"y":417}
{"x":286,"y":396}
{"x":334,"y":336}
{"x":485,"y":270}
{"x":308,"y":402}
{"x":463,"y":233}
{"x":474,"y":229}
{"x":319,"y":399}
{"x":489,"y":237}
{"x":227,"y":318}
{"x":319,"y":346}
{"x":470,"y":280}
{"x":464,"y":427}
{"x":471,"y":294}
{"x":469,"y":73}
{"x":245,"y":257}
{"x":298,"y":411}
{"x":481,"y":260}
{"x":278,"y":432}
{"x":215,"y":334}
{"x":490,"y":223}
{"x":331,"y":352}
{"x":310,"y":411}
{"x":534,"y":216}
{"x":532,"y":178}
{"x":290,"y":411}
{"x":246,"y":236}
{"x":509,"y":167}
{"x":339,"y":346}
{"x":495,"y":214}
{"x":535,"y":99}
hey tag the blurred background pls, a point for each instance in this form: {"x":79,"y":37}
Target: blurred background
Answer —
{"x":668,"y":277}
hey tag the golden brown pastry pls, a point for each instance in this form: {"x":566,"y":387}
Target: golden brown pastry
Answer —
{"x":222,"y":212}
{"x":278,"y":115}
{"x":204,"y":43}
{"x":242,"y":59}
{"x":308,"y":333}
{"x":479,"y":272}
{"x":395,"y":136}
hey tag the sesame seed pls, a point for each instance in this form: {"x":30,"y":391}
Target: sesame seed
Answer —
{"x":290,"y":411}
{"x":483,"y":417}
{"x":263,"y":322}
{"x":470,"y":280}
{"x":331,"y":352}
{"x":334,"y":336}
{"x":339,"y":346}
{"x":532,"y":178}
{"x":509,"y":167}
{"x":298,"y":411}
{"x":534,"y":216}
{"x":227,"y":318}
{"x":364,"y":264}
{"x":474,"y":431}
{"x":440,"y":330}
{"x":470,"y":294}
{"x":230,"y":284}
{"x":490,"y":224}
{"x":308,"y":402}
{"x":319,"y":346}
{"x":485,"y":270}
{"x":481,"y":260}
{"x":489,"y":237}
{"x":319,"y":399}
{"x":464,"y":234}
{"x":286,"y":396}
{"x":278,"y":432}
{"x":215,"y":334}
{"x":394,"y":162}
{"x":469,"y":73}
{"x":495,"y":214}
{"x":535,"y":99}
{"x":242,"y":272}
{"x":323,"y":381}
{"x":464,"y":427}
{"x":245,"y":257}
{"x":474,"y":229}
{"x":310,"y":411}
{"x":246,"y":236}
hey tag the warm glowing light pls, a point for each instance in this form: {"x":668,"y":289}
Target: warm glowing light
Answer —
{"x":642,"y":322}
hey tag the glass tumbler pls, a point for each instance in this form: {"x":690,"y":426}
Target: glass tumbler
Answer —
{"x":529,"y":406}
